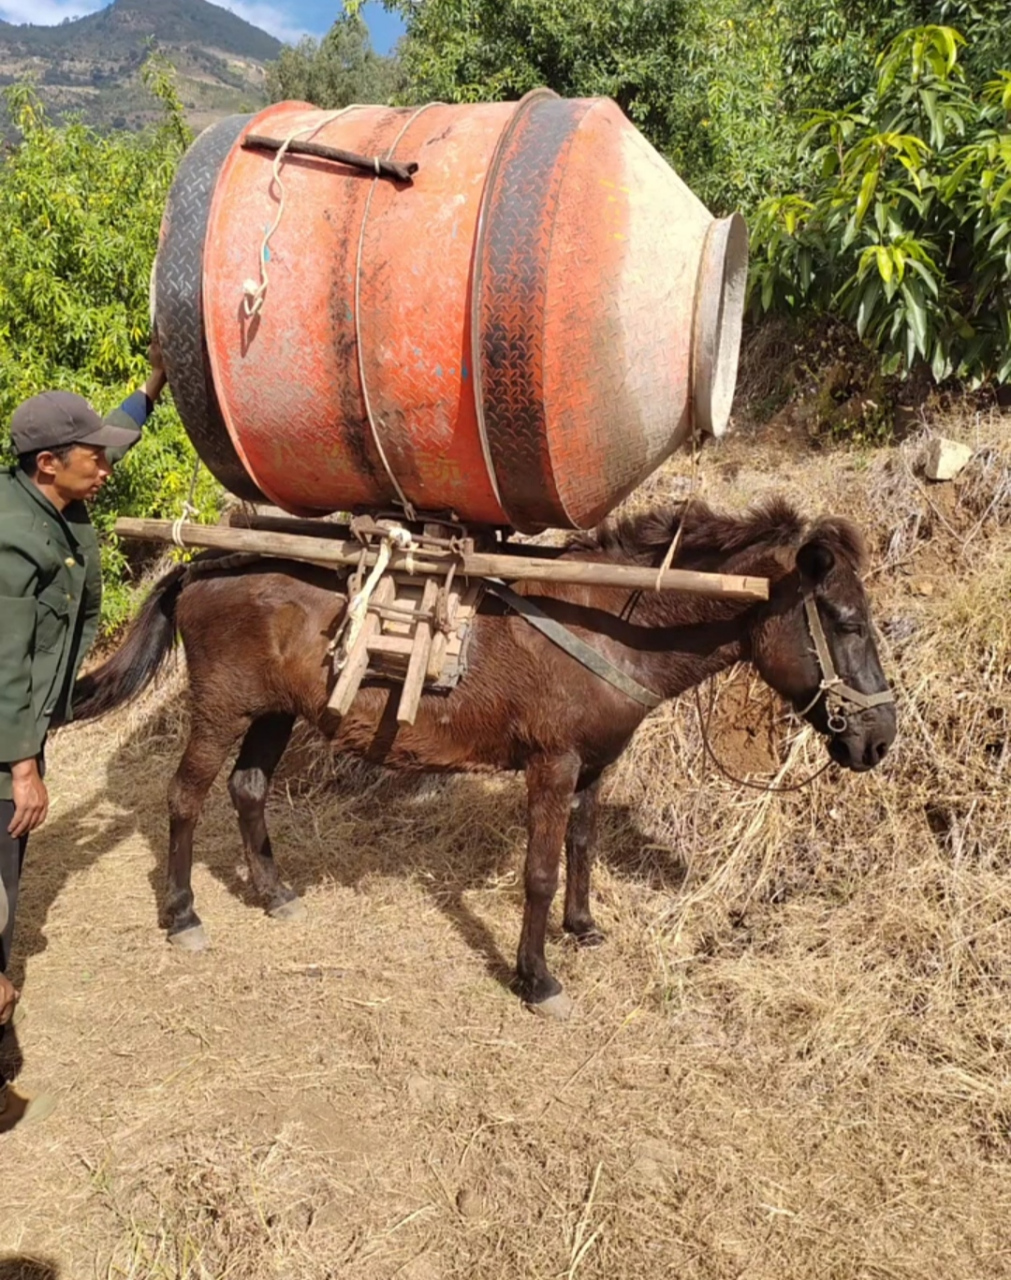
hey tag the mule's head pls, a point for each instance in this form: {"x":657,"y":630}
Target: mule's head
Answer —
{"x":814,"y":643}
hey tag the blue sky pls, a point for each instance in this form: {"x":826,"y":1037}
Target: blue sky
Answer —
{"x":286,"y":19}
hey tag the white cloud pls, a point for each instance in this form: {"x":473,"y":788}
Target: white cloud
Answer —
{"x":47,"y":13}
{"x":268,"y":17}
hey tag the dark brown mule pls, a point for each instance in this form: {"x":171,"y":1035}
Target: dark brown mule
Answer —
{"x":256,"y":643}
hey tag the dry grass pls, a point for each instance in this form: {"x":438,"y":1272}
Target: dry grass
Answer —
{"x":790,"y":1062}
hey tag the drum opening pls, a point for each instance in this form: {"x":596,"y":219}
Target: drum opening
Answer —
{"x":719,"y":315}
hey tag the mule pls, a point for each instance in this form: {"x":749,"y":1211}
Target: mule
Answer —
{"x":256,"y":639}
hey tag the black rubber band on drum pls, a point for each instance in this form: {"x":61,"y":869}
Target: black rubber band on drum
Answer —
{"x":179,"y":305}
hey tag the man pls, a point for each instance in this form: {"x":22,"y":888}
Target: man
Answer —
{"x":50,"y":599}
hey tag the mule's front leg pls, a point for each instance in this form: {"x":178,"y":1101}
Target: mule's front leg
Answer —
{"x":551,"y":784}
{"x":259,"y":755}
{"x":579,"y":845}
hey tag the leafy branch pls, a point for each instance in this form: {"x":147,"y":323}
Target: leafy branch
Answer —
{"x":904,"y":227}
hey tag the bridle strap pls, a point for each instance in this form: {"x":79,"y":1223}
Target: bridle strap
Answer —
{"x":839,"y":696}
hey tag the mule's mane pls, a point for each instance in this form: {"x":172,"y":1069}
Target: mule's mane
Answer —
{"x":644,"y":538}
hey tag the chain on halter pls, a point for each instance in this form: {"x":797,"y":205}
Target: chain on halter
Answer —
{"x":839,"y":697}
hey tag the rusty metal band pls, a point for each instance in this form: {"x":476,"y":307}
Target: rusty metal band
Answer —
{"x":374,"y":425}
{"x":508,"y":304}
{"x":178,"y":304}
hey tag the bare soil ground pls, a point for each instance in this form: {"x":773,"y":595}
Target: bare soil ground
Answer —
{"x":791,"y":1061}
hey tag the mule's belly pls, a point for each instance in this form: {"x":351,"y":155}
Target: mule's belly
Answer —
{"x":436,"y":742}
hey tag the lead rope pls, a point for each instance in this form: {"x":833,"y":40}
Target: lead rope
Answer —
{"x":768,"y":788}
{"x":376,"y":440}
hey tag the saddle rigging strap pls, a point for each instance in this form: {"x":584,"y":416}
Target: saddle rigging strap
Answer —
{"x":573,"y":645}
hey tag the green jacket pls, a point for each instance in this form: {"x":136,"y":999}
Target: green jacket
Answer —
{"x":50,"y":601}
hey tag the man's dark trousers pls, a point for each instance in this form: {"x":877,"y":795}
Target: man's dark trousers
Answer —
{"x":12,"y":858}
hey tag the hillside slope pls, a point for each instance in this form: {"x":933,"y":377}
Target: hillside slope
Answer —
{"x":90,"y":65}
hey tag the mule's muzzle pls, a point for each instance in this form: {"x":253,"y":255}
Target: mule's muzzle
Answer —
{"x":864,"y":743}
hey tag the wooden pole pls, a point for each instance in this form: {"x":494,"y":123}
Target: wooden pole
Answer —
{"x":421,"y":651}
{"x":334,"y":529}
{"x":511,"y":568}
{"x":346,"y":689}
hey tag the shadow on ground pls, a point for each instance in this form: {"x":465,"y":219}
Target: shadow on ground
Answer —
{"x":389,"y":824}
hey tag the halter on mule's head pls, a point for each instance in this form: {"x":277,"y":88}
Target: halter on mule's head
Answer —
{"x":839,"y":696}
{"x":816,"y":646}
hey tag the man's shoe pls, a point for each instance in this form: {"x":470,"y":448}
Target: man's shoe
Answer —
{"x":16,"y":1111}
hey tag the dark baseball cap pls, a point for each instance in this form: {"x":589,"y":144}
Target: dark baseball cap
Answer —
{"x":54,"y":419}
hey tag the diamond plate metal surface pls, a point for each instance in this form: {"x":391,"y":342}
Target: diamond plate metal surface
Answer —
{"x":512,"y":258}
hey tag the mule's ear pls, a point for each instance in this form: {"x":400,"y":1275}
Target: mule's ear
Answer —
{"x":815,"y":560}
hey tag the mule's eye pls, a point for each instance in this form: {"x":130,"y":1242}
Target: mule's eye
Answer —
{"x":852,"y":628}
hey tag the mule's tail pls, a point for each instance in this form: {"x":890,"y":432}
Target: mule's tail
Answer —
{"x":139,"y":658}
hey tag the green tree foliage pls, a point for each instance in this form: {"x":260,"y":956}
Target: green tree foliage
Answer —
{"x":336,"y":71}
{"x":830,"y":47}
{"x":733,"y":140}
{"x":80,"y":214}
{"x":462,"y":51}
{"x":700,"y":78}
{"x":905,"y":224}
{"x":897,"y":212}
{"x":720,"y":87}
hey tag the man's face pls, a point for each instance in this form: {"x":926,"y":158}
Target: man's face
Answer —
{"x":78,"y":476}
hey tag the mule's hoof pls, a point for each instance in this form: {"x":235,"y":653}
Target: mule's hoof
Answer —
{"x":293,"y":909}
{"x":558,"y":1007}
{"x":590,"y":938}
{"x":192,"y":939}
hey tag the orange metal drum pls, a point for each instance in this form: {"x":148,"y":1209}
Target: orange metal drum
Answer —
{"x":519,"y":336}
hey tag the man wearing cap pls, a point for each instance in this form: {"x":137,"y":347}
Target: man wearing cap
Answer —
{"x":50,"y":599}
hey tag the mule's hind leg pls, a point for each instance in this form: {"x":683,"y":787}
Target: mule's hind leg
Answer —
{"x":259,"y":755}
{"x":208,"y":746}
{"x":551,"y":784}
{"x":580,"y":839}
